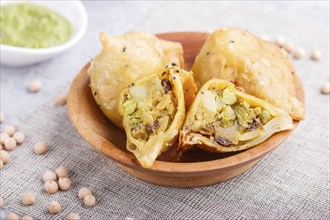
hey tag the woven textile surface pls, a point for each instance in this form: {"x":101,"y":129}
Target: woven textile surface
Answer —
{"x":292,"y":182}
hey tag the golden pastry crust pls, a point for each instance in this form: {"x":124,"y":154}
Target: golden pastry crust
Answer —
{"x":259,"y":67}
{"x":122,"y":60}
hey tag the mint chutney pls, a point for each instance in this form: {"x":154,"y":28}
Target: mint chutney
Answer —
{"x":32,"y":26}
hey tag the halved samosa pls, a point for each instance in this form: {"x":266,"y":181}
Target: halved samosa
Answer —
{"x":224,"y":119}
{"x":153,"y":110}
{"x":259,"y":67}
{"x":122,"y":60}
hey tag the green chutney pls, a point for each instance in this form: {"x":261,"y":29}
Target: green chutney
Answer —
{"x":32,"y":26}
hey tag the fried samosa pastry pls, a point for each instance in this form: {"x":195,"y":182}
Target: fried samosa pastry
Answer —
{"x":153,"y":110}
{"x":259,"y":67}
{"x":224,"y":119}
{"x":122,"y":60}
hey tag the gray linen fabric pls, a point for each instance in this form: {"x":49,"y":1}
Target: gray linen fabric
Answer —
{"x":292,"y":182}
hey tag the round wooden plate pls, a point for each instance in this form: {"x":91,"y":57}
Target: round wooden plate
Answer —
{"x":196,"y":168}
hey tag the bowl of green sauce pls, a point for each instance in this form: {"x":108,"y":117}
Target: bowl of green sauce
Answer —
{"x":34,"y":31}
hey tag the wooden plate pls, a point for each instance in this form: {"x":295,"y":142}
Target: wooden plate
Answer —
{"x":196,"y":168}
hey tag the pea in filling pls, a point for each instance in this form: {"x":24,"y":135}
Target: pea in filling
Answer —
{"x":150,"y":107}
{"x":227,"y":119}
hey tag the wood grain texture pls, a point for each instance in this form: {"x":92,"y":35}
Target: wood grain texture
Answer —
{"x":196,"y":168}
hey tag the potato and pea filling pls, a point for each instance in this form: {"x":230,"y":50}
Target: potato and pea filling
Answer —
{"x":153,"y":110}
{"x":224,"y":119}
{"x":228,"y":119}
{"x":150,"y":107}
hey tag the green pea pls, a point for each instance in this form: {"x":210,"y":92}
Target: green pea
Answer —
{"x":228,"y":97}
{"x":242,"y":115}
{"x":257,"y":110}
{"x":129,"y":106}
{"x":265,"y":116}
{"x":227,"y":117}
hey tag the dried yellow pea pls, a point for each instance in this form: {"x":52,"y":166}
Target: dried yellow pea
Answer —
{"x":61,"y":171}
{"x":4,"y":156}
{"x":89,"y":201}
{"x":2,"y":117}
{"x":10,"y":143}
{"x":73,"y":216}
{"x":64,"y":183}
{"x":40,"y":147}
{"x":19,"y":137}
{"x":28,"y":198}
{"x":84,"y":192}
{"x":48,"y":176}
{"x":27,"y":217}
{"x":12,"y":216}
{"x":54,"y":207}
{"x":34,"y":86}
{"x":10,"y":130}
{"x":51,"y":186}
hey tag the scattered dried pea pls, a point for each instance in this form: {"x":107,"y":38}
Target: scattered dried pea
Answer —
{"x":61,"y":171}
{"x":316,"y":55}
{"x":73,"y":216}
{"x":28,"y":198}
{"x":64,"y":183}
{"x":51,"y":186}
{"x":10,"y":130}
{"x":54,"y":207}
{"x":84,"y":192}
{"x":265,"y":37}
{"x":12,"y":216}
{"x":19,"y":137}
{"x":3,"y":137}
{"x":27,"y":217}
{"x":298,"y":53}
{"x":89,"y":201}
{"x":48,"y":176}
{"x":61,"y":100}
{"x":10,"y":143}
{"x":288,"y":46}
{"x":35,"y":86}
{"x":325,"y":88}
{"x":40,"y":148}
{"x":2,"y":117}
{"x":4,"y":156}
{"x":280,"y":41}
